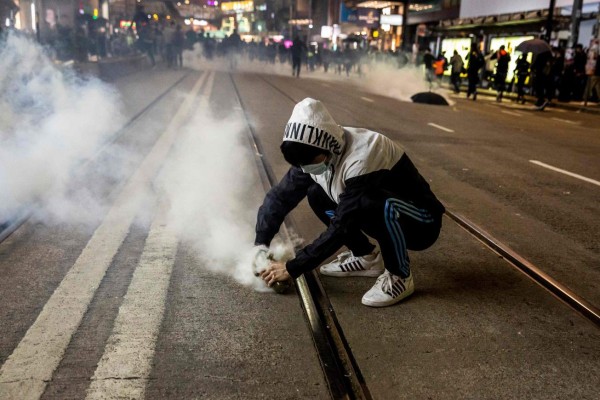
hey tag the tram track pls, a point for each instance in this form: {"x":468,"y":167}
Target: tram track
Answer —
{"x":577,"y":303}
{"x":342,"y":374}
{"x":341,"y":371}
{"x":7,"y":228}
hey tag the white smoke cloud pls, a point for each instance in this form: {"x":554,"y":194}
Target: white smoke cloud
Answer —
{"x":51,"y":122}
{"x":378,"y":78}
{"x":210,"y":185}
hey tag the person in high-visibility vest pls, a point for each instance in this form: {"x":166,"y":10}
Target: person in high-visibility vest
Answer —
{"x":439,"y":66}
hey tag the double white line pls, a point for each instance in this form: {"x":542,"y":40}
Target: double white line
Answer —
{"x":130,"y":348}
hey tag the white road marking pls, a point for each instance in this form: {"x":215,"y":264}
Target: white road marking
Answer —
{"x":562,"y":171}
{"x":325,"y":84}
{"x":440,"y":127}
{"x":516,"y":114}
{"x":367,"y":99}
{"x":27,"y":370}
{"x":568,"y":121}
{"x":126,"y":363}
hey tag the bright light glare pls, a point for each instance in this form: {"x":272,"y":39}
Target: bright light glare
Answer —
{"x":33,"y":16}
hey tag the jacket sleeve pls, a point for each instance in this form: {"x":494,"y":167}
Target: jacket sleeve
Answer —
{"x":347,"y":215}
{"x":279,"y":201}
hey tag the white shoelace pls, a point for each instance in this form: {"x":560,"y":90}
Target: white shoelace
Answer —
{"x":343,"y":256}
{"x":385,"y":281}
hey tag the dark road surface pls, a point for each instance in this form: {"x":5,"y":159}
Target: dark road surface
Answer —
{"x":125,"y":307}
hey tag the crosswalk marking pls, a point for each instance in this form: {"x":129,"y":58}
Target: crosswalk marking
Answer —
{"x":27,"y":370}
{"x":126,"y":363}
{"x":125,"y":366}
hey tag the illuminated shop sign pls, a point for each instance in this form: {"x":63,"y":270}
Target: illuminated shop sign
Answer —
{"x":300,"y":21}
{"x":126,"y":24}
{"x":394,"y":20}
{"x":368,"y":17}
{"x":237,"y":6}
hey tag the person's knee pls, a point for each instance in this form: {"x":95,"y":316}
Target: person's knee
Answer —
{"x":424,"y":236}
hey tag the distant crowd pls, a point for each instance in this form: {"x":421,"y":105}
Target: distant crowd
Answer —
{"x":548,"y":77}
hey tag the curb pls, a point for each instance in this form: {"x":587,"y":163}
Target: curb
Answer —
{"x":590,"y":109}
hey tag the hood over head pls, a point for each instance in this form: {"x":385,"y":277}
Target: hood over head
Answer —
{"x":312,"y":124}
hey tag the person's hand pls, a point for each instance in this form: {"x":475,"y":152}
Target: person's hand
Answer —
{"x":260,"y":258}
{"x":275,"y":272}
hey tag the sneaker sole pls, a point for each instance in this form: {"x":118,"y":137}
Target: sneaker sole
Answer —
{"x":371,"y":273}
{"x":391,"y":302}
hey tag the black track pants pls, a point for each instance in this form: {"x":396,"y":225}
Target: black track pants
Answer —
{"x":397,"y":225}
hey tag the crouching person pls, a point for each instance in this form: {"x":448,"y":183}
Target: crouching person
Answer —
{"x":358,"y":183}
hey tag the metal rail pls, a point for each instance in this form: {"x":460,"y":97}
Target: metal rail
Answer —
{"x":8,"y":228}
{"x":342,"y":374}
{"x":560,"y":291}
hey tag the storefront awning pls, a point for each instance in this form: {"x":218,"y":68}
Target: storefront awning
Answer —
{"x":502,"y":20}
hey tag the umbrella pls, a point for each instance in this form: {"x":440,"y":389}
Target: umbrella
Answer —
{"x":429,"y":98}
{"x":535,"y":46}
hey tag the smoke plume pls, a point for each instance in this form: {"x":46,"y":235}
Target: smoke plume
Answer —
{"x":51,"y":122}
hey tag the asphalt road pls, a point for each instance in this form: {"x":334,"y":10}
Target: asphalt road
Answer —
{"x":130,"y":306}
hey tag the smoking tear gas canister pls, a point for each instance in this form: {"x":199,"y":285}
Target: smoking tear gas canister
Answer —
{"x":281,"y":287}
{"x":261,"y":262}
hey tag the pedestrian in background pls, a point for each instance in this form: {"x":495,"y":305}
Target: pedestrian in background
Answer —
{"x":521,"y":73}
{"x":579,"y":62}
{"x":325,"y":58}
{"x":489,"y":64}
{"x":178,"y":44}
{"x":593,"y":71}
{"x":168,"y":34}
{"x":358,"y":182}
{"x":298,"y":49}
{"x":147,"y":37}
{"x":428,"y":61}
{"x":541,"y":70}
{"x":556,"y":72}
{"x":476,"y":61}
{"x":502,"y":59}
{"x":158,"y":42}
{"x":440,"y":65}
{"x":457,"y":65}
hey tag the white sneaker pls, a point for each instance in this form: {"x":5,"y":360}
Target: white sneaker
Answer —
{"x":389,"y":289}
{"x":347,"y":264}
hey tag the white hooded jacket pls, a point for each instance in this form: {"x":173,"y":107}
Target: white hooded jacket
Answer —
{"x":366,"y":167}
